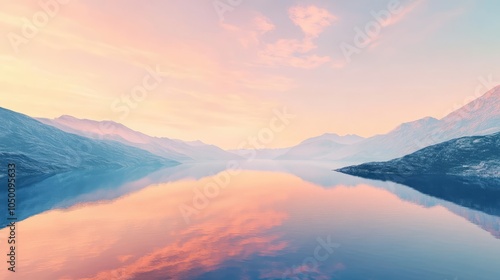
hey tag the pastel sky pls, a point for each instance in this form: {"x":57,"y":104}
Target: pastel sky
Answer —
{"x":226,"y":68}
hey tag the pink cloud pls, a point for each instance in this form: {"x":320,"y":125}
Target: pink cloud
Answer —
{"x":311,"y":19}
{"x":405,"y":11}
{"x":263,"y":24}
{"x":249,"y":34}
{"x":288,"y":47}
{"x":296,"y":53}
{"x":309,"y":61}
{"x":293,"y":53}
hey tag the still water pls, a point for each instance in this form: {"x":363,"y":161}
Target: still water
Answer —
{"x":268,"y":220}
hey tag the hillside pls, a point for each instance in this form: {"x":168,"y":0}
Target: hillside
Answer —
{"x":475,"y":156}
{"x":165,"y":147}
{"x":38,"y":149}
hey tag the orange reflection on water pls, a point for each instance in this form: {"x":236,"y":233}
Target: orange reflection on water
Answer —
{"x":144,"y":236}
{"x":144,"y":233}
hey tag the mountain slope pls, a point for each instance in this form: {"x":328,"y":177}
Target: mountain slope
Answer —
{"x":37,"y":148}
{"x":474,"y":156}
{"x":268,"y":154}
{"x":164,"y":147}
{"x":316,"y":147}
{"x":344,"y":140}
{"x":479,"y":117}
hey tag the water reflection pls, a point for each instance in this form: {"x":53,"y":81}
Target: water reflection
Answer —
{"x":467,"y":191}
{"x":64,"y":190}
{"x":263,"y":225}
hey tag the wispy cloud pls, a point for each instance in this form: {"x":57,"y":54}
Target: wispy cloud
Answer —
{"x":406,"y":10}
{"x":229,"y":74}
{"x":404,"y":13}
{"x":293,"y":53}
{"x":249,"y":34}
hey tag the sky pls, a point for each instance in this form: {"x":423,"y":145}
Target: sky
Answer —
{"x":219,"y":71}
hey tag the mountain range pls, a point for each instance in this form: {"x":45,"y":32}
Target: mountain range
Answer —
{"x":479,"y":117}
{"x":305,"y":149}
{"x":473,"y":156}
{"x":39,"y":149}
{"x":45,"y":146}
{"x":316,"y":147}
{"x":165,"y":147}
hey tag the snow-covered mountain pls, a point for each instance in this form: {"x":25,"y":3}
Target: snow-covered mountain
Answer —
{"x":316,"y":147}
{"x":38,"y":149}
{"x":479,"y":117}
{"x":472,"y":156}
{"x":164,"y":147}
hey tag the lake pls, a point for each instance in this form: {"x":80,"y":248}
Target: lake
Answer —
{"x":259,"y":220}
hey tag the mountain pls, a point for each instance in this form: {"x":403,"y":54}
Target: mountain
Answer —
{"x":164,"y":147}
{"x":316,"y":147}
{"x":479,"y":117}
{"x":474,"y":156}
{"x":38,"y":149}
{"x":344,"y":140}
{"x":259,"y":153}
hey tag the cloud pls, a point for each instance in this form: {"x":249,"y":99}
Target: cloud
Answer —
{"x":287,"y":47}
{"x":249,"y":34}
{"x":371,"y":34}
{"x":311,"y":19}
{"x":263,"y":24}
{"x":293,"y":53}
{"x":395,"y":18}
{"x":283,"y":52}
{"x":403,"y":13}
{"x":297,"y":53}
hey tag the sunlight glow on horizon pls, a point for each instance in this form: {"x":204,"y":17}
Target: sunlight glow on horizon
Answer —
{"x":175,"y":69}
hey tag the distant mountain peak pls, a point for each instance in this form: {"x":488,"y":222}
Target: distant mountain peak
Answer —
{"x":334,"y":137}
{"x":72,"y":118}
{"x":494,"y":92}
{"x":331,"y":134}
{"x":421,"y":123}
{"x":483,"y":111}
{"x":162,"y":146}
{"x":475,"y":156}
{"x":66,"y":117}
{"x":29,"y":141}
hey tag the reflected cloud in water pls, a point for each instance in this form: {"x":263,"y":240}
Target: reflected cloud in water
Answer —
{"x":261,"y":226}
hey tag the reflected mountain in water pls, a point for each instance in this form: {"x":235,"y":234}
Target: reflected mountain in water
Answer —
{"x":41,"y":193}
{"x":474,"y":200}
{"x":273,"y":225}
{"x":485,"y":213}
{"x":480,"y":194}
{"x":36,"y":194}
